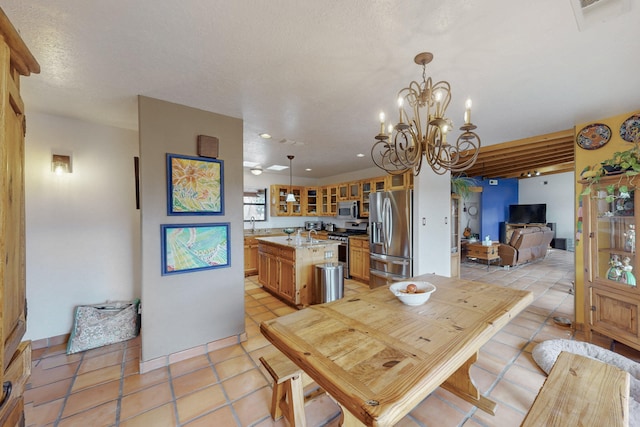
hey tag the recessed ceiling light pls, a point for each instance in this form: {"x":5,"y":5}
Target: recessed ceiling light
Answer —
{"x":265,"y":135}
{"x":308,"y":169}
{"x":277,"y":168}
{"x":359,"y":155}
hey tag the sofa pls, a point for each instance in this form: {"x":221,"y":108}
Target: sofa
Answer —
{"x":525,"y":245}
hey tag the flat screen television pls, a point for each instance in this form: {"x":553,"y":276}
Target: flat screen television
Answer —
{"x":527,"y":214}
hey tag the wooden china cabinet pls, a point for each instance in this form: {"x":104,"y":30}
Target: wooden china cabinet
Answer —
{"x":612,"y":298}
{"x":15,"y":355}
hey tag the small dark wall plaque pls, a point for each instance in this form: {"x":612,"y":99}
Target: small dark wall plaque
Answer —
{"x":208,"y":146}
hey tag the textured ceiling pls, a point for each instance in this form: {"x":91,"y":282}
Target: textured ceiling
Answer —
{"x":317,"y":74}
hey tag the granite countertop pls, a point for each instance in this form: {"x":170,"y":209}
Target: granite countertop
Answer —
{"x":282,"y":241}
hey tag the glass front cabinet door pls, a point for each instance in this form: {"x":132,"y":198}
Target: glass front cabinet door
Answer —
{"x":612,"y":300}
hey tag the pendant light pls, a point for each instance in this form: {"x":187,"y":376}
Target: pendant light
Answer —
{"x":290,"y":196}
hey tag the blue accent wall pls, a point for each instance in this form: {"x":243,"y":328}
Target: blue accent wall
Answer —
{"x":495,"y":205}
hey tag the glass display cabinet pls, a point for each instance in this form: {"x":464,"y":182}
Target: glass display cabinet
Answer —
{"x":455,"y":235}
{"x":612,"y":299}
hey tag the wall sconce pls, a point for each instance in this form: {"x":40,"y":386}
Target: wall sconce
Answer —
{"x":60,"y":164}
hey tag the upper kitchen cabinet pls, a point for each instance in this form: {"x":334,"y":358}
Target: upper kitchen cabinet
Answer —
{"x":310,"y":201}
{"x":402,"y":181}
{"x":364,"y":201}
{"x":378,"y":184}
{"x":15,"y":355}
{"x":329,"y":200}
{"x":343,"y":191}
{"x":368,"y":186}
{"x":279,"y":204}
{"x":355,"y":189}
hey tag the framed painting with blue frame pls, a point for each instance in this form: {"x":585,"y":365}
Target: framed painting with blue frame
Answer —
{"x":195,"y":185}
{"x":193,"y":247}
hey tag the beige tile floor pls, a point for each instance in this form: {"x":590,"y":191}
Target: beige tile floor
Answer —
{"x":228,"y":387}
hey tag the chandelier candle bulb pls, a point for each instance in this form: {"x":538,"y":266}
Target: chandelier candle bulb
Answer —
{"x":382,"y":123}
{"x":467,"y":112}
{"x":400,"y":102}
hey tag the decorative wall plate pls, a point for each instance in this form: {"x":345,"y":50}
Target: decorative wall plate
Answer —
{"x":630,"y":129}
{"x":593,"y":136}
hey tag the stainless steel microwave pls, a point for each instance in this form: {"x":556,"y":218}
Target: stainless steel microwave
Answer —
{"x":347,"y":210}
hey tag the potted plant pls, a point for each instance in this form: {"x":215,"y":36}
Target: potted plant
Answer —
{"x":625,"y":163}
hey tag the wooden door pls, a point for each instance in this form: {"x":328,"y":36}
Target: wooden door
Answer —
{"x":615,"y":315}
{"x":15,"y":366}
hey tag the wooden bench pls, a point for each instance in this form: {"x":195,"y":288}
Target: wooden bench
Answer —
{"x":581,"y":391}
{"x":289,"y":382}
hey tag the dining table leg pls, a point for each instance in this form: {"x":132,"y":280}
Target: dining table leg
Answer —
{"x":461,"y":384}
{"x":347,"y":419}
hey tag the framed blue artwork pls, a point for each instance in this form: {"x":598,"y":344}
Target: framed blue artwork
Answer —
{"x":195,"y":185}
{"x":194,"y":247}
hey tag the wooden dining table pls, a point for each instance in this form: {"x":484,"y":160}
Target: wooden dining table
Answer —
{"x":378,"y":358}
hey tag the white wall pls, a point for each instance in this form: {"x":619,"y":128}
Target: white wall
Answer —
{"x":558,"y":192}
{"x":82,"y":229}
{"x":432,"y":223}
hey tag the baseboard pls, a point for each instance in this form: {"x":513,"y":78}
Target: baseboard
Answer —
{"x":161,"y":362}
{"x":49,"y":342}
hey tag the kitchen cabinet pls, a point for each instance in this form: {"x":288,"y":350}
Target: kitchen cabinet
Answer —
{"x":279,"y":204}
{"x":310,"y":201}
{"x":612,"y":298}
{"x":368,"y":186}
{"x":323,"y":201}
{"x":364,"y":198}
{"x":329,"y":200}
{"x":287,"y":275}
{"x":15,"y":355}
{"x":250,"y":256}
{"x":359,"y":258}
{"x":355,"y":188}
{"x":403,"y":181}
{"x":343,"y":191}
{"x":287,"y":271}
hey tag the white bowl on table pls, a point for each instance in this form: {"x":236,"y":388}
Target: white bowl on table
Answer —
{"x":422,"y":294}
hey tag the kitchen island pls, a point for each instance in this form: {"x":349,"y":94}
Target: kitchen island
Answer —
{"x":287,"y":270}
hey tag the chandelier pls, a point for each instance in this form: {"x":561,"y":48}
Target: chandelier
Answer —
{"x":402,"y":147}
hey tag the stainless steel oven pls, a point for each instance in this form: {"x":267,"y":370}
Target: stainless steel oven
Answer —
{"x":342,"y":236}
{"x":343,"y":251}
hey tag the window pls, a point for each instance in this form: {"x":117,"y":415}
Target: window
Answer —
{"x":255,"y":204}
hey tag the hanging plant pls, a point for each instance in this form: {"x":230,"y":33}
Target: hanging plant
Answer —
{"x":462,"y":184}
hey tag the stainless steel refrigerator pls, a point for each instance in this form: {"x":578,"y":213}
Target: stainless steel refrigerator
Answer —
{"x":390,"y":237}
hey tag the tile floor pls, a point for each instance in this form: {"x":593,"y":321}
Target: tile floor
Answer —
{"x":229,"y":387}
